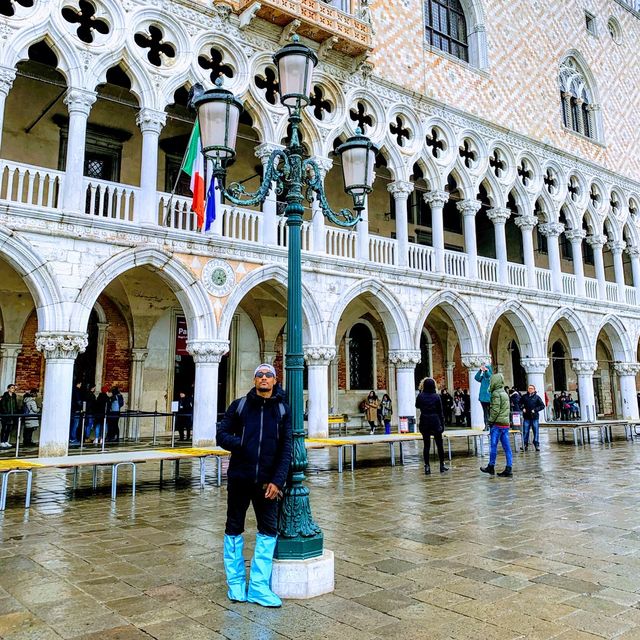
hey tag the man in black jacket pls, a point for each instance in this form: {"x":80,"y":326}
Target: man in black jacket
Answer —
{"x":257,"y":431}
{"x":531,"y":405}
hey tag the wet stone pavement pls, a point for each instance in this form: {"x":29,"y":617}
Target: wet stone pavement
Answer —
{"x":552,"y":553}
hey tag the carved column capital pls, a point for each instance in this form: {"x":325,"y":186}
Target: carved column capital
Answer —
{"x":551,"y":229}
{"x":324,"y":165}
{"x":627,"y":368}
{"x":80,"y":101}
{"x":61,"y":346}
{"x":404,"y":359}
{"x":319,"y":355}
{"x":436,"y":198}
{"x":575,"y":235}
{"x":475,"y":360}
{"x":263,"y":151}
{"x":617,"y":246}
{"x":151,"y":120}
{"x":139,"y":355}
{"x":534,"y":365}
{"x":449,"y":366}
{"x":634,"y":252}
{"x":207,"y":351}
{"x":499,"y":215}
{"x":7,"y":76}
{"x":597,"y":240}
{"x":10,"y":350}
{"x":469,"y":207}
{"x":400,"y":189}
{"x":584,"y":367}
{"x":526,"y":222}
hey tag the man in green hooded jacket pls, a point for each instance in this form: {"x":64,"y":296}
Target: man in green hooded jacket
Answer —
{"x":499,"y":422}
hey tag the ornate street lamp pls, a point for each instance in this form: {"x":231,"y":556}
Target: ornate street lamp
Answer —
{"x":219,"y":114}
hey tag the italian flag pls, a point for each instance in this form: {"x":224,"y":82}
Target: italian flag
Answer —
{"x":193,"y":165}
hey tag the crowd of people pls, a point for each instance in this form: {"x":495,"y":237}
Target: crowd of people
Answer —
{"x":19,"y":415}
{"x":99,"y":414}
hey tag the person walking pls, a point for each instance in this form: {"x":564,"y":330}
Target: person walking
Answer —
{"x":431,"y":421}
{"x":113,"y":419}
{"x":483,"y":376}
{"x":458,"y":409}
{"x":257,"y":431}
{"x":103,"y":403}
{"x":466,"y":398}
{"x":31,"y":412}
{"x":531,"y":404}
{"x":77,"y":400}
{"x":371,"y":405}
{"x":89,"y":410}
{"x":447,"y":406}
{"x":184,"y":417}
{"x":499,"y":421}
{"x":8,"y":417}
{"x":386,"y":410}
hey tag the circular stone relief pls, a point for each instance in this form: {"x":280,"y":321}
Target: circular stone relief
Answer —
{"x":218,"y":277}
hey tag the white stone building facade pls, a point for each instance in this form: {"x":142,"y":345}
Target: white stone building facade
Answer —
{"x":480,"y":240}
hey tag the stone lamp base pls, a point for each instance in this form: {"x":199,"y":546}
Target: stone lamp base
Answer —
{"x":301,"y":579}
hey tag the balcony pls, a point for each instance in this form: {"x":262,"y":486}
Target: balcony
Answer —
{"x":319,"y":20}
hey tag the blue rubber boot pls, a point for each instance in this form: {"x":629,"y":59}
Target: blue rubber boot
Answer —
{"x":234,"y":568}
{"x":260,"y":576}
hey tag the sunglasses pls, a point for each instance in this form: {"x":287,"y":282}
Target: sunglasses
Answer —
{"x":264,"y":374}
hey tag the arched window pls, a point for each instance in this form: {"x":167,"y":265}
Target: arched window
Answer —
{"x":558,"y":356}
{"x":446,"y":27}
{"x":519,"y":374}
{"x":360,"y":357}
{"x":576,"y":96}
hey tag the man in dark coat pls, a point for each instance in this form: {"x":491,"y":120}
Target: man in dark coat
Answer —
{"x":9,"y":419}
{"x":532,"y":404}
{"x":257,"y":431}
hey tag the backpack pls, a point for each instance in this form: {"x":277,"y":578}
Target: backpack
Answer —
{"x":243,"y":402}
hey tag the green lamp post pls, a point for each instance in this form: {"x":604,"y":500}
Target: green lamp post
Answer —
{"x":219,"y":114}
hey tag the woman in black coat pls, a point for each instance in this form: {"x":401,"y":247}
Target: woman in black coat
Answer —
{"x":431,"y":421}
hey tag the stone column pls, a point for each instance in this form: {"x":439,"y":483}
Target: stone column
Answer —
{"x":499,"y":217}
{"x":535,"y":369}
{"x":362,"y":240}
{"x":526,"y":223}
{"x":449,"y":367}
{"x":576,"y":236}
{"x":597,"y":241}
{"x":585,"y":369}
{"x":60,"y":351}
{"x":318,"y":232}
{"x":138,"y":356}
{"x":206,"y":356}
{"x":79,"y":103}
{"x":617,"y":247}
{"x":627,"y":372}
{"x":473,"y":363}
{"x":566,"y":99}
{"x":269,"y":234}
{"x":579,"y":120}
{"x":318,"y":359}
{"x":100,"y":348}
{"x":8,"y":359}
{"x":469,"y":208}
{"x":405,"y":364}
{"x":437,"y":200}
{"x":401,"y":189}
{"x":552,"y":230}
{"x":7,"y":76}
{"x":151,"y":123}
{"x":634,"y":254}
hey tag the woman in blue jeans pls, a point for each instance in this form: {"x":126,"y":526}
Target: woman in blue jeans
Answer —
{"x":499,"y":421}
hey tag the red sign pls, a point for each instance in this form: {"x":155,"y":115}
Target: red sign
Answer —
{"x":181,"y":336}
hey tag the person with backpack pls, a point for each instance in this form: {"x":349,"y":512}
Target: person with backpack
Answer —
{"x":113,"y":419}
{"x":499,"y":421}
{"x":31,"y":413}
{"x":256,"y":429}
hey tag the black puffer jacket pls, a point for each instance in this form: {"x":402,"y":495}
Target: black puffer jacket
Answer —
{"x":531,"y":404}
{"x":430,"y":405}
{"x":260,"y":440}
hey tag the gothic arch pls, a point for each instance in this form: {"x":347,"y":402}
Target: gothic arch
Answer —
{"x":529,"y":339}
{"x":619,"y":337}
{"x":580,"y":342}
{"x":180,"y":279}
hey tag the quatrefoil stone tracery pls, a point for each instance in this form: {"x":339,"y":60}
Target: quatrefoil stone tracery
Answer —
{"x":85,"y":17}
{"x":214,"y":61}
{"x":154,"y":41}
{"x":8,"y":7}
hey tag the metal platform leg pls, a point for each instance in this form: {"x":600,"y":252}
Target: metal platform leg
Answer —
{"x":114,"y":478}
{"x":5,"y":487}
{"x":340,"y":458}
{"x":95,"y":477}
{"x":392,"y":454}
{"x":219,"y":469}
{"x":75,"y":478}
{"x":400,"y":443}
{"x":176,"y":469}
{"x":353,"y":457}
{"x":161,"y":470}
{"x":202,"y":472}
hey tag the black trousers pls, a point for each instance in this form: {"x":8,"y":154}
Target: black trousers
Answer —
{"x":426,"y":437}
{"x":7,"y":427}
{"x":239,"y":495}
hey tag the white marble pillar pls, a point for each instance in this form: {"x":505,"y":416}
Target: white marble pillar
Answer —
{"x":8,"y":360}
{"x":101,"y":344}
{"x":7,"y":76}
{"x":60,"y":351}
{"x":437,"y":200}
{"x":469,"y":208}
{"x":318,"y":359}
{"x":576,"y":236}
{"x":362,"y":240}
{"x":552,"y":230}
{"x":617,"y":247}
{"x":499,"y":217}
{"x":401,"y":190}
{"x":473,"y":362}
{"x":405,"y":365}
{"x":206,"y":356}
{"x":535,"y":369}
{"x":597,"y":242}
{"x":318,"y":231}
{"x":269,"y":219}
{"x":449,"y":367}
{"x":79,"y":103}
{"x":634,"y":254}
{"x":151,"y":123}
{"x":138,"y":356}
{"x":586,"y":400}
{"x":526,"y":223}
{"x":627,"y":372}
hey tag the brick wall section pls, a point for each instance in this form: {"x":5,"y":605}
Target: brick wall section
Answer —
{"x":117,"y":354}
{"x":30,"y":364}
{"x":381,"y":363}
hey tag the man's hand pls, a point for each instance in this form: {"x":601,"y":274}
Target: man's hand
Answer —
{"x":272,"y":492}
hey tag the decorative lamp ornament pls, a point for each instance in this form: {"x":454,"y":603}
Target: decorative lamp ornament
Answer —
{"x":358,"y":155}
{"x":295,"y":63}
